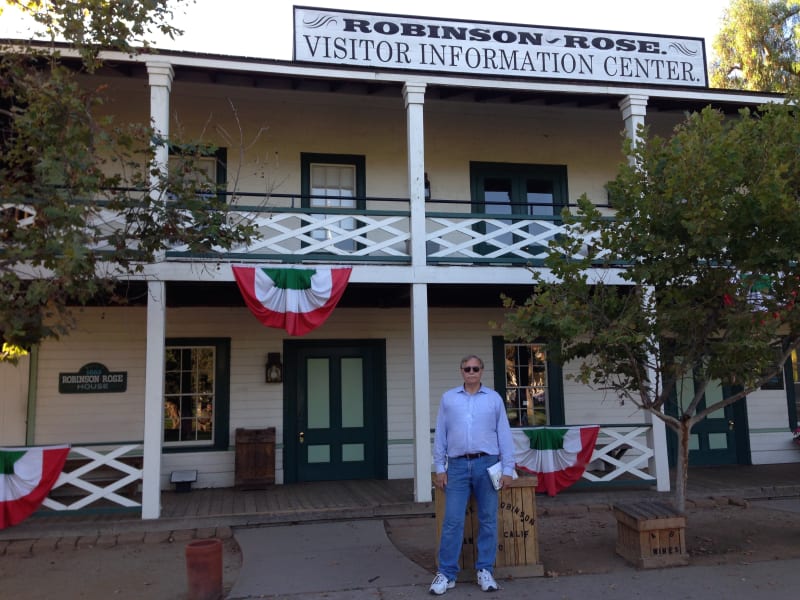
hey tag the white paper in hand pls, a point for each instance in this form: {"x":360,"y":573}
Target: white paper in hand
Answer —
{"x":496,"y":472}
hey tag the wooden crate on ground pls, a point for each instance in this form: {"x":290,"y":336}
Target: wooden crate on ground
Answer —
{"x":651,"y":535}
{"x":517,"y":536}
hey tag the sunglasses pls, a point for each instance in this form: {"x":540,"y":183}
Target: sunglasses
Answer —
{"x":473,"y":369}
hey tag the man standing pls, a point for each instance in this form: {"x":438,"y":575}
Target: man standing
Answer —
{"x":472,"y":434}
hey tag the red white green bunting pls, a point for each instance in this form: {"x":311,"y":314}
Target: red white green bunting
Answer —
{"x":556,"y":455}
{"x":26,"y":477}
{"x":296,"y":299}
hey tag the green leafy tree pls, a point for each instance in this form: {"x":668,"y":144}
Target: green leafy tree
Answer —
{"x":757,"y":47}
{"x":82,"y":200}
{"x":704,"y":240}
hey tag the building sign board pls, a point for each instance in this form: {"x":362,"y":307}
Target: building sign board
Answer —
{"x":382,"y":41}
{"x":92,"y":378}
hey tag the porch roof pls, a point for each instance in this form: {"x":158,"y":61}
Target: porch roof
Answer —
{"x":276,"y":74}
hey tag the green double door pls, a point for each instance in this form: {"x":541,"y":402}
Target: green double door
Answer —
{"x":722,"y":437}
{"x":334,"y":410}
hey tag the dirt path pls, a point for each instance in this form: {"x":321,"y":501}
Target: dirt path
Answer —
{"x":585,"y":543}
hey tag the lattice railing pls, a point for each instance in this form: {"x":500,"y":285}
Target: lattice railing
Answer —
{"x":620,"y":453}
{"x":385,"y":236}
{"x":334,"y":232}
{"x":288,"y":231}
{"x":92,"y":477}
{"x":483,"y":238}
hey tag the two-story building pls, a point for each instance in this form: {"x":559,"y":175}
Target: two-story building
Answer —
{"x":431,"y":157}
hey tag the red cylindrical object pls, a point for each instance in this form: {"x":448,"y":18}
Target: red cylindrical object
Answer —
{"x":204,"y":569}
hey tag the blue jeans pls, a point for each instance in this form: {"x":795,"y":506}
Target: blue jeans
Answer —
{"x":467,"y":477}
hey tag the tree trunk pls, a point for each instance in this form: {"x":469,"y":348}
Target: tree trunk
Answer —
{"x":682,"y":465}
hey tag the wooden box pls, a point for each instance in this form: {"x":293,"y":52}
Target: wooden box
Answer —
{"x":517,"y":537}
{"x":651,"y":535}
{"x":254,"y":467}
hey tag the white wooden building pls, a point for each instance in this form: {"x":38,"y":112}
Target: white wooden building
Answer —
{"x":432,"y":157}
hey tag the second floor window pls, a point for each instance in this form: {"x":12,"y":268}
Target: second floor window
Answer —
{"x":334,"y":181}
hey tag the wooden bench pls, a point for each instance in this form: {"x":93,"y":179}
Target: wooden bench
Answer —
{"x":651,"y":534}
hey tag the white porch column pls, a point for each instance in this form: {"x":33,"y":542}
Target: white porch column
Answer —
{"x":153,"y":399}
{"x":423,"y":459}
{"x":160,"y":79}
{"x":414,"y":96}
{"x":634,"y":109}
{"x":657,"y":437}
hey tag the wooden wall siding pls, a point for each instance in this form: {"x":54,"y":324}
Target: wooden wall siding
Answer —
{"x":770,"y":435}
{"x":13,"y":402}
{"x":771,"y":447}
{"x":767,"y":408}
{"x":114,"y":337}
{"x":586,"y":406}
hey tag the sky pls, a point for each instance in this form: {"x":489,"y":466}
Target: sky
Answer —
{"x":263,"y":28}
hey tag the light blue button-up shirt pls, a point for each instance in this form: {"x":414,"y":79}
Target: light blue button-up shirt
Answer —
{"x":469,"y":423}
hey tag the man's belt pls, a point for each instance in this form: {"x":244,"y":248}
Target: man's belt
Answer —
{"x":471,"y":456}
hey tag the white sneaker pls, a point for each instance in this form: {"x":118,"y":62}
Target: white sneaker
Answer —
{"x":486,"y":581}
{"x":441,"y":584}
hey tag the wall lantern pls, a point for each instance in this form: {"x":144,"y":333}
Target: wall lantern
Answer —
{"x":274,"y":368}
{"x":427,"y":187}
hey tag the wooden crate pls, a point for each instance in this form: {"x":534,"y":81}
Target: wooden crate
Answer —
{"x":517,"y":537}
{"x":651,"y":535}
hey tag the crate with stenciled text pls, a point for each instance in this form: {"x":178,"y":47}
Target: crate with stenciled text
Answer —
{"x":651,"y":535}
{"x":517,"y":534}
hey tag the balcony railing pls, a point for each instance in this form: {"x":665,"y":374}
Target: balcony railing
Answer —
{"x":287,"y":232}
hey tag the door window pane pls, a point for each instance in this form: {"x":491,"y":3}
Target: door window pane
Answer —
{"x":717,"y":441}
{"x":319,"y":454}
{"x":539,"y":196}
{"x":319,"y":399}
{"x":352,"y":452}
{"x":497,"y":198}
{"x":352,"y":392}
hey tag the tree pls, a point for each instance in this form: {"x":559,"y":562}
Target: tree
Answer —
{"x":757,"y":47}
{"x":83,"y":203}
{"x":704,"y":237}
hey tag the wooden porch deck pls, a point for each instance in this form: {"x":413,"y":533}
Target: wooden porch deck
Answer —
{"x":298,"y":501}
{"x":333,"y":500}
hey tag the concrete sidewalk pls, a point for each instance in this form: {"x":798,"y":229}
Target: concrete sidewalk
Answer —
{"x":320,"y":558}
{"x":766,"y":580}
